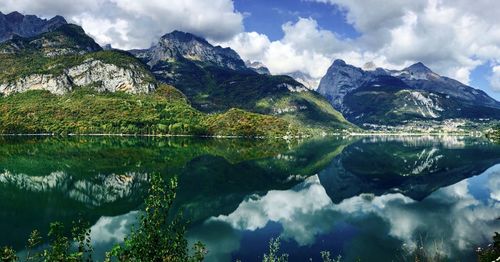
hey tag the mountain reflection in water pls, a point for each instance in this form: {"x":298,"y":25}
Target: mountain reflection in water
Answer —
{"x":365,"y":198}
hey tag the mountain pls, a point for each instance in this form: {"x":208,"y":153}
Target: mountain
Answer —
{"x":258,"y":67}
{"x":66,"y":58}
{"x":26,"y":26}
{"x":393,"y":97}
{"x":305,"y":79}
{"x":177,"y":45}
{"x":215,"y":79}
{"x":63,"y":82}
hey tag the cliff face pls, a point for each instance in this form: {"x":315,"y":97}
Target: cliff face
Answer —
{"x":101,"y":76}
{"x":66,"y":58}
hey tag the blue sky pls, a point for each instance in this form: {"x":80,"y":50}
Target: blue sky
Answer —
{"x":267,"y":16}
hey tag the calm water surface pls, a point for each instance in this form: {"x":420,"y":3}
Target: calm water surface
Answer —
{"x":363,"y":198}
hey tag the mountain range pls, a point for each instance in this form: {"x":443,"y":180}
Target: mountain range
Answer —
{"x":218,"y":88}
{"x":393,"y":97}
{"x":216,"y":79}
{"x":233,"y":98}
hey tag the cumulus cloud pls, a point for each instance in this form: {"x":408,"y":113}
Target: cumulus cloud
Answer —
{"x":130,"y":24}
{"x":495,"y":78}
{"x":305,"y":47}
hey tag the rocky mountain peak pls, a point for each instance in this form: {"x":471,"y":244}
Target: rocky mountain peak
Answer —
{"x":16,"y":23}
{"x":58,"y":19}
{"x":339,"y":80}
{"x":183,"y":37}
{"x":418,"y":68}
{"x":181,"y":45}
{"x":339,"y":62}
{"x":416,"y":90}
{"x":14,"y":17}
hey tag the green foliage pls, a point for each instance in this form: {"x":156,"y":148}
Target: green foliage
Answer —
{"x":59,"y":247}
{"x":7,"y":254}
{"x":214,"y":89}
{"x":165,"y":112}
{"x":325,"y":256}
{"x":157,"y":238}
{"x":34,"y":241}
{"x":491,"y":252}
{"x":237,"y":122}
{"x":274,"y":252}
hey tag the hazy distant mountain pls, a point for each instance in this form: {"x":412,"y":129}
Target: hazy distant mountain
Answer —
{"x":383,"y":96}
{"x":258,"y":67}
{"x":305,"y":79}
{"x":26,"y":25}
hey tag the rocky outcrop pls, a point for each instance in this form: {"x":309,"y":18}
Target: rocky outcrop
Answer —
{"x":339,"y":80}
{"x":179,"y":45}
{"x":103,"y":77}
{"x":26,"y":26}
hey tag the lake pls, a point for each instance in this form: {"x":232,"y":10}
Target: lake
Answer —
{"x":365,"y":198}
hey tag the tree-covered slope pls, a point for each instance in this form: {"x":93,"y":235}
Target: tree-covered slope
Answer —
{"x":166,"y":111}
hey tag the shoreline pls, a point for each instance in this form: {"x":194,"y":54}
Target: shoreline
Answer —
{"x":354,"y":134}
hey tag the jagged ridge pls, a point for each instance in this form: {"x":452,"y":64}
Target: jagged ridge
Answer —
{"x":393,"y":97}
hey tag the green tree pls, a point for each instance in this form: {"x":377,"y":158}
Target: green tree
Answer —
{"x":492,"y":252}
{"x":157,"y":239}
{"x":274,"y":250}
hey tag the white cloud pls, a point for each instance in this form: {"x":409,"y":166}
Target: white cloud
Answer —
{"x":130,"y":24}
{"x":305,"y":47}
{"x":306,"y":34}
{"x":249,"y":45}
{"x":448,"y":36}
{"x":495,"y":78}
